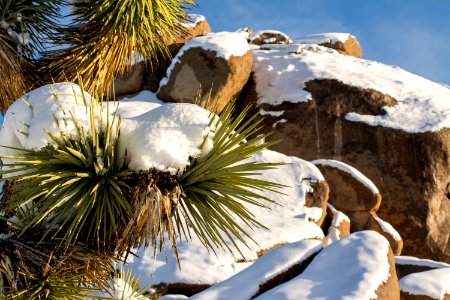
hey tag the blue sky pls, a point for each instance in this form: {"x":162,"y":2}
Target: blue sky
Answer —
{"x":411,"y":34}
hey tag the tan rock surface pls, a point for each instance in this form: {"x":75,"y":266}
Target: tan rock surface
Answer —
{"x":350,"y":47}
{"x":156,"y":70}
{"x":200,"y":69}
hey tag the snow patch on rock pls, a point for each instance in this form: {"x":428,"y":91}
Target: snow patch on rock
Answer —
{"x":327,"y":37}
{"x":349,"y":170}
{"x":268,"y":266}
{"x":225,"y":44}
{"x":281,"y":76}
{"x":434,"y":283}
{"x":414,"y":261}
{"x":351,"y":268}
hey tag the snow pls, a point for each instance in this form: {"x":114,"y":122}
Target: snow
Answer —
{"x":193,"y":20}
{"x":268,"y":266}
{"x":388,"y":228}
{"x":434,"y":283}
{"x":279,"y":113}
{"x":350,"y":268}
{"x":44,"y":108}
{"x":280,"y":121}
{"x":154,"y":136}
{"x":414,"y":261}
{"x":350,"y":170}
{"x":322,"y":38}
{"x":270,"y":32}
{"x":281,"y":75}
{"x":165,"y":137}
{"x":129,"y":110}
{"x":120,"y":289}
{"x":224,"y":44}
{"x":287,"y":220}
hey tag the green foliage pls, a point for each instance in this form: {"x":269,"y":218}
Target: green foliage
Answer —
{"x":81,"y":196}
{"x":76,"y":189}
{"x":20,"y":21}
{"x":217,"y":184}
{"x":106,"y":35}
{"x":126,"y":286}
{"x":34,"y":20}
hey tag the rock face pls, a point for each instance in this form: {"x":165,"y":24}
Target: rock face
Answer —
{"x":202,"y":67}
{"x":156,"y":71}
{"x":412,"y":170}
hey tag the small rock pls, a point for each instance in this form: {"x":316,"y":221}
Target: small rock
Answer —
{"x":406,"y":265}
{"x":269,"y":37}
{"x":340,"y":224}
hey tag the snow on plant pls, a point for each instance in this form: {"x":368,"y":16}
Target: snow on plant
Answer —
{"x":73,"y":177}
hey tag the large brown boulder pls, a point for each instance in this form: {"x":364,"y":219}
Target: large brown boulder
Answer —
{"x":156,"y":69}
{"x":215,"y":66}
{"x":411,"y":169}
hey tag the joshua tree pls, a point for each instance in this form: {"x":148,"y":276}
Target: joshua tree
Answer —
{"x":73,"y":208}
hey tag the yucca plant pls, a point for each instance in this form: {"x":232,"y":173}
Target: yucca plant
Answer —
{"x":25,"y":27}
{"x":127,"y":286}
{"x":107,"y":35}
{"x":14,"y":71}
{"x":81,"y":191}
{"x":76,"y":188}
